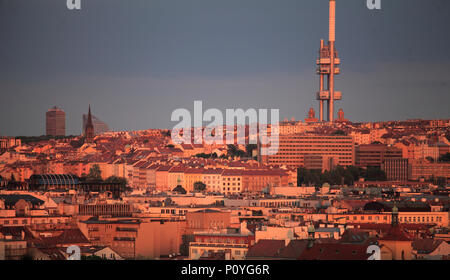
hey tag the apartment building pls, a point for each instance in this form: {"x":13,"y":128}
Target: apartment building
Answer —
{"x":375,"y":154}
{"x":212,"y":178}
{"x":293,"y":148}
{"x":428,"y":170}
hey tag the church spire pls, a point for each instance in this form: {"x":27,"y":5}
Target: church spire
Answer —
{"x":89,"y":128}
{"x":89,"y":121}
{"x":395,"y":221}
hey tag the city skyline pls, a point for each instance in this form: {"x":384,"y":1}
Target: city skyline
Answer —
{"x":150,"y":58}
{"x":218,"y":137}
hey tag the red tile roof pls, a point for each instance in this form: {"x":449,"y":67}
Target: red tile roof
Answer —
{"x":427,"y":245}
{"x":396,"y":233}
{"x":67,"y":237}
{"x":335,"y":251}
{"x":266,"y":249}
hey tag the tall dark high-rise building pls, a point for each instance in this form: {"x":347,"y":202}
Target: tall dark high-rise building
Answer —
{"x":89,"y":128}
{"x":55,"y":122}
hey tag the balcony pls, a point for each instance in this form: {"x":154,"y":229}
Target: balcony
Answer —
{"x":327,"y":61}
{"x":325,"y":95}
{"x":327,"y":70}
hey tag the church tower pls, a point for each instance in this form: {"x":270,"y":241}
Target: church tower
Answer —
{"x":89,"y":128}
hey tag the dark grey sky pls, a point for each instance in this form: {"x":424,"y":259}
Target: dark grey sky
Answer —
{"x":135,"y":61}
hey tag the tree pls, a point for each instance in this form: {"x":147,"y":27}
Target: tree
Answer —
{"x":339,"y":132}
{"x":179,"y":189}
{"x":233,"y":151}
{"x":203,"y":155}
{"x":374,"y":173}
{"x":445,"y":158}
{"x":257,"y":213}
{"x":339,"y":175}
{"x":184,"y":246}
{"x":199,"y":186}
{"x":302,"y":176}
{"x":95,"y":174}
{"x":76,"y":143}
{"x":249,"y":149}
{"x":441,"y":181}
{"x":116,"y":180}
{"x":430,"y":159}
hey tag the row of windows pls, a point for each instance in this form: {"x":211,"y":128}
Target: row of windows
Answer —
{"x":14,"y":246}
{"x":362,"y":218}
{"x":231,"y":189}
{"x":309,"y":151}
{"x":418,"y":219}
{"x":173,"y":211}
{"x":25,"y":221}
{"x":413,"y":219}
{"x":123,"y":244}
{"x":232,"y":184}
{"x":236,"y":252}
{"x":211,"y":182}
{"x":280,"y":204}
{"x":212,"y":224}
{"x":222,"y":240}
{"x":212,"y":177}
{"x":234,"y":179}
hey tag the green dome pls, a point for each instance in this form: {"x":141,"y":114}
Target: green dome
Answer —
{"x":325,"y":185}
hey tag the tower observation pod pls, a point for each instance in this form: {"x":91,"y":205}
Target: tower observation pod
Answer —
{"x":328,"y":66}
